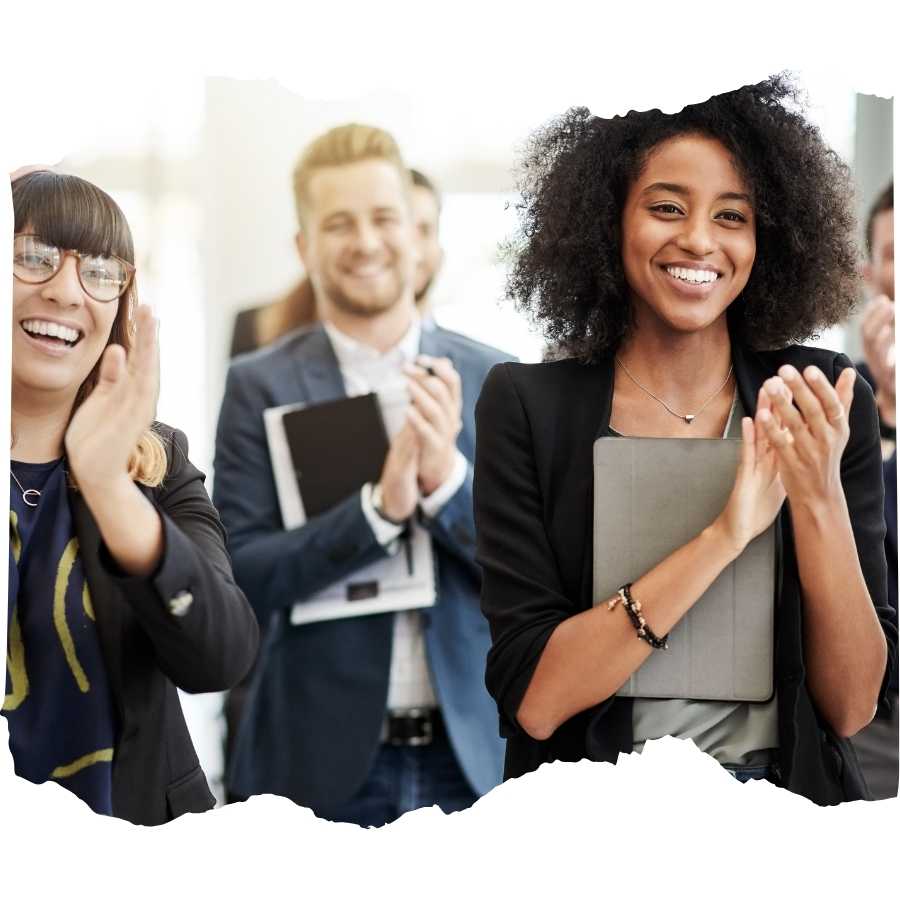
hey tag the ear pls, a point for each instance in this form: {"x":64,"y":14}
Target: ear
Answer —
{"x":867,"y":272}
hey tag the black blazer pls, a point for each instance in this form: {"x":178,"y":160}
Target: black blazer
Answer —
{"x":204,"y":641}
{"x":536,"y":425}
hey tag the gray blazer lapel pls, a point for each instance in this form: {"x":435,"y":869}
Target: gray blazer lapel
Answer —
{"x":317,"y":368}
{"x":432,"y":344}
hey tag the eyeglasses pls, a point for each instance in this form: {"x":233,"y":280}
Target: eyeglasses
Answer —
{"x":103,"y":278}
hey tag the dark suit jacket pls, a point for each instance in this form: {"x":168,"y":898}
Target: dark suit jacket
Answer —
{"x":243,"y":337}
{"x":890,"y":539}
{"x":313,"y":717}
{"x":150,"y":651}
{"x":534,"y":505}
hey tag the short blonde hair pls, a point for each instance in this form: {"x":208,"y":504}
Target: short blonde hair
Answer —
{"x":339,"y":147}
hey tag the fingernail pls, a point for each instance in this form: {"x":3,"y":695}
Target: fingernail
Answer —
{"x":812,"y":374}
{"x":787,"y":372}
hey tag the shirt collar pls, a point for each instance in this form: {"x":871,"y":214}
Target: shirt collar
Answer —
{"x":351,"y":352}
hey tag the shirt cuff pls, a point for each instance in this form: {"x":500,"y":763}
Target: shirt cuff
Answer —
{"x":386,"y":533}
{"x":434,"y":502}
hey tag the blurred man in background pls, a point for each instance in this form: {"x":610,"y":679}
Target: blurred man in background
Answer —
{"x":876,"y":745}
{"x":878,"y":316}
{"x":426,"y":210}
{"x":366,"y":717}
{"x":261,"y":325}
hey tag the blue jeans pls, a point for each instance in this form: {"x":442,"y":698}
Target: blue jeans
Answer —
{"x":753,"y":773}
{"x":403,"y":779}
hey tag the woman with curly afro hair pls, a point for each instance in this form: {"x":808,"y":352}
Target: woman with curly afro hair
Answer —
{"x":677,"y":261}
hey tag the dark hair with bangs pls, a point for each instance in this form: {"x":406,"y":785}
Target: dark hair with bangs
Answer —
{"x":74,"y":214}
{"x":568,"y":273}
{"x":71,"y":213}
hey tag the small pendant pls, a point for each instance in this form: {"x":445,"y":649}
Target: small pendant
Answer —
{"x":35,"y":494}
{"x":688,"y":419}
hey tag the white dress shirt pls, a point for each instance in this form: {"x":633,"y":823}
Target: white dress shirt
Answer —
{"x":365,"y":370}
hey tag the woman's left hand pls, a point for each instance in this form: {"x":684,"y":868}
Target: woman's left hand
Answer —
{"x":105,"y":429}
{"x":807,"y":423}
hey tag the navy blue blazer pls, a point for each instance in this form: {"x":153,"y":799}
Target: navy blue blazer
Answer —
{"x":314,"y":712}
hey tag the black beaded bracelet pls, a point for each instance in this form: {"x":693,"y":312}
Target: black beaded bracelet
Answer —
{"x":633,"y":608}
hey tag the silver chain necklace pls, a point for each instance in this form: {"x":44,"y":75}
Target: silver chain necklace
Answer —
{"x":686,"y":417}
{"x":30,"y":492}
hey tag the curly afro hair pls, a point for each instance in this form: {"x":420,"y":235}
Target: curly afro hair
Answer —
{"x":567,"y":272}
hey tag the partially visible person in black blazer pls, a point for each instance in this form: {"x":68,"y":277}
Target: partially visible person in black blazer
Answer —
{"x":259,"y":326}
{"x":680,"y":259}
{"x":120,"y":587}
{"x":877,"y":327}
{"x":876,"y":745}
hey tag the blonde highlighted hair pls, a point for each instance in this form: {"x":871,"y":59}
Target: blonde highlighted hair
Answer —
{"x":73,"y":213}
{"x":295,"y":309}
{"x":341,"y":146}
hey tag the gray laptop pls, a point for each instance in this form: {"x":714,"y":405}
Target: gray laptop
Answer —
{"x":651,"y":496}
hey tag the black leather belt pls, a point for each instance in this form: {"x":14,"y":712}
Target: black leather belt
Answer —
{"x":412,"y":727}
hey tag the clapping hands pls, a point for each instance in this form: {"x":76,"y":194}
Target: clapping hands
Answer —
{"x":435,"y":415}
{"x":878,"y":347}
{"x":806,"y":422}
{"x":422,"y":454}
{"x":105,"y":429}
{"x":792,"y":448}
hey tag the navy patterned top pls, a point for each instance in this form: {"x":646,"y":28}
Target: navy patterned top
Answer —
{"x":62,"y":721}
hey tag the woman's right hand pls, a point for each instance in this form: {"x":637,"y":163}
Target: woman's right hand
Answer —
{"x":105,"y":429}
{"x":758,"y":493}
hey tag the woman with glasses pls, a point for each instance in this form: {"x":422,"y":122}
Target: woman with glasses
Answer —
{"x":120,"y":588}
{"x":680,"y":259}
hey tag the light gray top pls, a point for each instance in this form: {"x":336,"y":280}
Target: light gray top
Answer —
{"x":732,"y":733}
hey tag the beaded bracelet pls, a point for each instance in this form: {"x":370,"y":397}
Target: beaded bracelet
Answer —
{"x":633,"y":608}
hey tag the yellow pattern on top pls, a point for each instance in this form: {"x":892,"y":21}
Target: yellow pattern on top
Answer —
{"x":15,"y":540}
{"x":15,"y":665}
{"x":15,"y":652}
{"x":82,"y":763}
{"x":15,"y":656}
{"x":86,"y":602}
{"x":66,"y":562}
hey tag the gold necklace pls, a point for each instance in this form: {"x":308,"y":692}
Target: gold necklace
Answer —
{"x":686,"y":417}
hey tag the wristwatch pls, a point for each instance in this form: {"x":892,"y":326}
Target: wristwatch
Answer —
{"x":378,"y":506}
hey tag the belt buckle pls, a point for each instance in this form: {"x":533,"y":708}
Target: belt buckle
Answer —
{"x":422,"y":717}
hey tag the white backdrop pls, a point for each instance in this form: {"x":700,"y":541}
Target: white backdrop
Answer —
{"x":122,"y":90}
